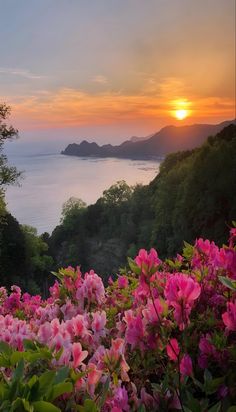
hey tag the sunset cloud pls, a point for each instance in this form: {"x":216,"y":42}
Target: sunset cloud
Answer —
{"x":69,"y":107}
{"x":20,"y":72}
{"x":99,"y":79}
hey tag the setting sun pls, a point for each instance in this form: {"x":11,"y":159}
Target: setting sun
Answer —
{"x":181,"y":109}
{"x":181,"y":114}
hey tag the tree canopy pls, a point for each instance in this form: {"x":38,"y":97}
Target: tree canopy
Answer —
{"x":8,"y":174}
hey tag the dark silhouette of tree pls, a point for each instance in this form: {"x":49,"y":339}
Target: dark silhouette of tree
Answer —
{"x":8,"y":174}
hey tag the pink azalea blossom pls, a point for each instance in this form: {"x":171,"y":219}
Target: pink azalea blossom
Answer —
{"x":98,"y":323}
{"x":181,"y":291}
{"x":173,"y":349}
{"x":229,"y":317}
{"x":55,"y":290}
{"x":147,"y":400}
{"x":92,"y":288}
{"x":120,"y":399}
{"x":153,"y":313}
{"x":147,"y":262}
{"x":186,"y":367}
{"x":135,"y":328}
{"x":78,"y":354}
{"x":232,"y":238}
{"x":123,"y":282}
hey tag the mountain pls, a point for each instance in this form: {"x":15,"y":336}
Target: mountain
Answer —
{"x":135,"y":139}
{"x":167,"y":140}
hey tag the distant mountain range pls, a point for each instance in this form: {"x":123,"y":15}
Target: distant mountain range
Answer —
{"x":167,"y":140}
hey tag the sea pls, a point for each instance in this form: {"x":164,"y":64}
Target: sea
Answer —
{"x":49,"y":179}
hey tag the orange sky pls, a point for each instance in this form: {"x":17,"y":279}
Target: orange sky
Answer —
{"x":117,"y":68}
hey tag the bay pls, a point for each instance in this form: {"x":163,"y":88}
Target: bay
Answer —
{"x":51,"y":179}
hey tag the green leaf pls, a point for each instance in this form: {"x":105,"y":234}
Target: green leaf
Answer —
{"x":18,"y":373}
{"x":33,"y":356}
{"x":207,"y":375}
{"x":232,"y":408}
{"x":16,"y":357}
{"x":23,"y":404}
{"x":135,"y":269}
{"x":46,"y":381}
{"x":192,"y":403}
{"x":32,"y":381}
{"x":61,"y":388}
{"x":215,"y":408}
{"x":141,"y":408}
{"x":211,"y":385}
{"x":42,"y":406}
{"x":90,"y":406}
{"x":61,"y":375}
{"x":5,"y":348}
{"x":29,"y":344}
{"x":4,"y":362}
{"x":188,"y":250}
{"x":228,"y":282}
{"x":58,"y":276}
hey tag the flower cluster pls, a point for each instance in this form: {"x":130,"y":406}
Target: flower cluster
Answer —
{"x":160,"y":337}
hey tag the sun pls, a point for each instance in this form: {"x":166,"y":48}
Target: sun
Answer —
{"x":181,"y":114}
{"x":181,"y":109}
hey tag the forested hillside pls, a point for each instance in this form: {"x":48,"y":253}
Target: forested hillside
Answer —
{"x":194,"y":195}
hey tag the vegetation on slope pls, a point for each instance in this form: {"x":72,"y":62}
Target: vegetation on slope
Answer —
{"x":193,"y":195}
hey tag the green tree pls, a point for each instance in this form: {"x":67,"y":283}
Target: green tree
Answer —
{"x":117,"y":193}
{"x":12,"y":252}
{"x":8,"y":174}
{"x":72,"y":206}
{"x":38,"y":262}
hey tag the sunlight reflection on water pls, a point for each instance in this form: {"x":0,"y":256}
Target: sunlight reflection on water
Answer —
{"x":49,"y":180}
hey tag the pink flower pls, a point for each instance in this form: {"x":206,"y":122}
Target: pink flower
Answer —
{"x":232,"y":238}
{"x":98,"y":323}
{"x":123,"y":282}
{"x":79,"y":326}
{"x":78,"y":354}
{"x":55,"y":290}
{"x":94,"y":374}
{"x":147,"y":400}
{"x":147,"y":262}
{"x":229,"y":317}
{"x":152,"y":314}
{"x":120,"y":399}
{"x":186,"y":367}
{"x":135,"y":328}
{"x":92,"y":288}
{"x":181,"y":291}
{"x":114,"y":357}
{"x":173,"y":349}
{"x":204,"y":252}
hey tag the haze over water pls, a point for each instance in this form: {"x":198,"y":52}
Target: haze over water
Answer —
{"x":49,"y":179}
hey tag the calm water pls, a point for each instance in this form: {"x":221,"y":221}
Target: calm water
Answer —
{"x":50,"y":179}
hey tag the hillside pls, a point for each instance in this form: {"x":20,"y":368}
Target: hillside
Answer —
{"x":193,"y":196}
{"x":167,"y":140}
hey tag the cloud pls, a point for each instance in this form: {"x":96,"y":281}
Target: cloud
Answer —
{"x":27,"y":74}
{"x":99,"y":79}
{"x":68,"y":107}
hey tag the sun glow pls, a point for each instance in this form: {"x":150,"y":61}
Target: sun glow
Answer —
{"x":181,"y":109}
{"x":181,"y":114}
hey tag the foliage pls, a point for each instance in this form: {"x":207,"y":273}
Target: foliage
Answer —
{"x":38,"y":262}
{"x":24,"y":257}
{"x":8,"y":174}
{"x":192,"y":196}
{"x":161,"y":337}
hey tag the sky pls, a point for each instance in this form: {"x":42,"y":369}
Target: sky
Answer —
{"x":106,"y":70}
